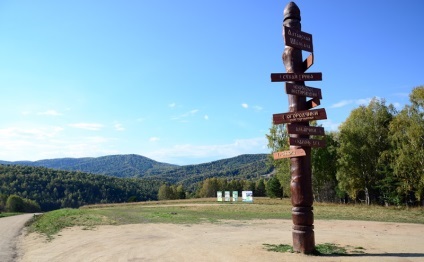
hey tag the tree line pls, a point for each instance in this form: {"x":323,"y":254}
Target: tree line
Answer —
{"x":261,"y":187}
{"x":376,"y":156}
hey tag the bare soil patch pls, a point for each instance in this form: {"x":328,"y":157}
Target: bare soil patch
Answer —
{"x":225,"y":241}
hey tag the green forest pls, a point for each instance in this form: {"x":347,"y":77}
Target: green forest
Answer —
{"x":376,"y":156}
{"x":54,"y":189}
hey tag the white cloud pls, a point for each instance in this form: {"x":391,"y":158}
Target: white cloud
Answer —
{"x":119,"y":127}
{"x":87,"y":126}
{"x":257,"y":108}
{"x":182,"y":117}
{"x":362,"y":101}
{"x":403,"y":95}
{"x":206,"y":117}
{"x":154,"y":139}
{"x":191,"y":154}
{"x":49,"y":113}
{"x":341,"y":103}
{"x":36,"y":143}
{"x":397,"y":105}
{"x":244,"y":105}
{"x":33,"y":133}
{"x":330,"y":125}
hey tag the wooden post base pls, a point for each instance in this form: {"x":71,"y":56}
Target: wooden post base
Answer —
{"x":303,"y":239}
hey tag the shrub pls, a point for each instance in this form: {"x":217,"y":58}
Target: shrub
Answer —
{"x":14,"y":203}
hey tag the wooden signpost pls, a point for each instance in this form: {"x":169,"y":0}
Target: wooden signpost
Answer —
{"x":283,"y":77}
{"x":289,"y":153}
{"x":298,"y":39}
{"x":306,"y":142}
{"x":305,"y":130}
{"x":297,"y":121}
{"x":299,"y":116}
{"x":299,"y":90}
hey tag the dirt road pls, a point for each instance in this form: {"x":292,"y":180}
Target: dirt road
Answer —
{"x":225,"y":241}
{"x":10,"y":229}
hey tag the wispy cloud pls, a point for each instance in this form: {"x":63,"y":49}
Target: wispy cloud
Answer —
{"x":206,"y":117}
{"x":341,"y":103}
{"x":257,"y":108}
{"x":41,"y":142}
{"x":172,"y":105}
{"x":87,"y":126}
{"x":119,"y":127}
{"x":401,"y":94}
{"x":191,"y":154}
{"x":363,"y":101}
{"x":330,"y":125}
{"x":397,"y":105}
{"x":182,"y":117}
{"x":154,"y":139}
{"x":35,"y":133}
{"x":49,"y":113}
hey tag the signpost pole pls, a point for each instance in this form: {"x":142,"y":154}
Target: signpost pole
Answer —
{"x":301,"y":174}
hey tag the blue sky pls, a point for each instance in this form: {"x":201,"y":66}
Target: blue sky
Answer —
{"x":187,"y":81}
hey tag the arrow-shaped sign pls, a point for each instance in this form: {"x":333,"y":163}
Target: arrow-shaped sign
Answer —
{"x":298,"y":39}
{"x":289,"y":153}
{"x":299,"y":116}
{"x":285,"y":77}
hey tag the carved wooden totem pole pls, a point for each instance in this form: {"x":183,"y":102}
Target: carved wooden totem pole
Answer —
{"x":297,"y":120}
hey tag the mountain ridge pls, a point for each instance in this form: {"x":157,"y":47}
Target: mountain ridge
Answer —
{"x":132,"y":165}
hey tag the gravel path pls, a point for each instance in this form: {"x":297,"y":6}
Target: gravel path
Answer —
{"x":225,"y":241}
{"x":10,"y":229}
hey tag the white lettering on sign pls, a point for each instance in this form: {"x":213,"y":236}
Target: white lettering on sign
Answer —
{"x":300,"y":36}
{"x":300,"y":44}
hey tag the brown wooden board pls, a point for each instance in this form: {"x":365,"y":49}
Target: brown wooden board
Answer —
{"x":294,"y":77}
{"x":306,"y":142}
{"x":309,"y":61}
{"x":298,"y":39}
{"x":301,"y":90}
{"x":305,"y":130}
{"x":299,"y":116}
{"x":289,"y":153}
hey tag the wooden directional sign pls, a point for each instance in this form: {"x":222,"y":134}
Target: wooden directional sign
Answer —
{"x":306,"y":142}
{"x":299,"y":116}
{"x":305,"y":130}
{"x":284,"y":77}
{"x":289,"y":153}
{"x":298,"y":39}
{"x":309,"y":61}
{"x":300,"y":90}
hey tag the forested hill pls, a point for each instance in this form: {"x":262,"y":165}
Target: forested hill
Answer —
{"x":47,"y":183}
{"x":53,"y":189}
{"x":113,"y":165}
{"x":249,"y":166}
{"x":243,"y":166}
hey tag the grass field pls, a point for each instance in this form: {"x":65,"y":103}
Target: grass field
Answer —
{"x":208,"y":210}
{"x":7,"y":214}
